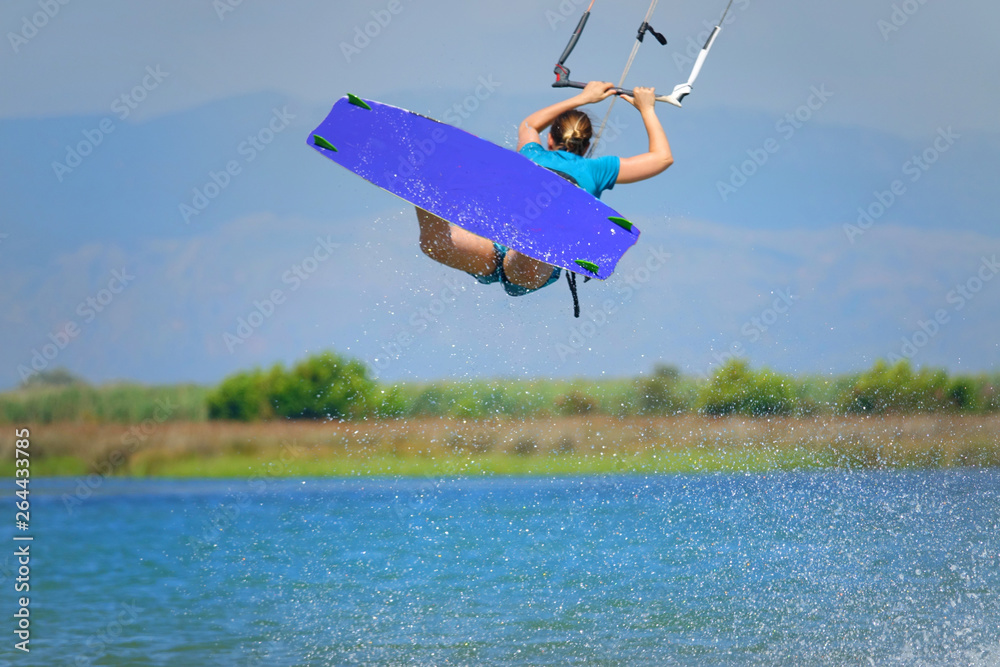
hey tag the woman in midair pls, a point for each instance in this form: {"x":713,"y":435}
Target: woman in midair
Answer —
{"x":570,"y":131}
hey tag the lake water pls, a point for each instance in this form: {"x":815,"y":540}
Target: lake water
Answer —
{"x":785,"y":569}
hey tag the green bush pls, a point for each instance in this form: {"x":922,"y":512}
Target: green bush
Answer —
{"x":390,"y":402}
{"x":243,"y":397}
{"x":575,"y":402}
{"x":990,"y":393}
{"x":979,"y":393}
{"x":736,"y":389}
{"x":897,"y":388}
{"x":963,"y":393}
{"x":324,"y":386}
{"x":427,"y":402}
{"x":57,"y":377}
{"x":658,"y":395}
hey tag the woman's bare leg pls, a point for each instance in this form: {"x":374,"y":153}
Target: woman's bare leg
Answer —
{"x":526,"y":271}
{"x":455,"y":247}
{"x":460,"y":249}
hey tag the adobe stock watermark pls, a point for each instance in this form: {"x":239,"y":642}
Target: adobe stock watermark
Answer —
{"x":566,"y":10}
{"x":755,"y":327}
{"x":97,"y":646}
{"x":224,"y":7}
{"x":532,"y":208}
{"x":695,"y":43}
{"x":248,"y":149}
{"x":534,"y":205}
{"x":31,"y":25}
{"x":363,"y":35}
{"x":786,"y":127}
{"x":8,"y":567}
{"x":420,"y":321}
{"x":223,"y":516}
{"x":914,"y":168}
{"x":122,"y":106}
{"x":901,"y":14}
{"x":255,"y":656}
{"x":264,"y":309}
{"x":424,"y":147}
{"x":88,"y":310}
{"x":116,"y":458}
{"x":459,"y":112}
{"x":613,"y":131}
{"x":958,"y":298}
{"x":596,"y":320}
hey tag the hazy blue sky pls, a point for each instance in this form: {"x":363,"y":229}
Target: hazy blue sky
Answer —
{"x":114,"y":114}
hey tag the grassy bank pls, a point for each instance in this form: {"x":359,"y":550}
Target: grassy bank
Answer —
{"x":550,"y":446}
{"x":121,"y":403}
{"x":329,"y":387}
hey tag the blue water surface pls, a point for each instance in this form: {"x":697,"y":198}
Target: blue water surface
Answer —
{"x":784,"y":569}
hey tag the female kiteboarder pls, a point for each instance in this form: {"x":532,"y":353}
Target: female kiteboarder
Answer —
{"x":570,"y":132}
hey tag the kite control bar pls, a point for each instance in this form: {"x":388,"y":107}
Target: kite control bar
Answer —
{"x":679,"y":92}
{"x":562,"y":72}
{"x":566,"y":83}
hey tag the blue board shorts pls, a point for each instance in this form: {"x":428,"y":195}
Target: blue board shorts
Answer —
{"x":499,"y":276}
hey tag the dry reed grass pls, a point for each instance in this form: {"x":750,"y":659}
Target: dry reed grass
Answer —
{"x":847,"y":442}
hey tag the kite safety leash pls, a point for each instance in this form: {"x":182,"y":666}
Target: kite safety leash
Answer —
{"x":621,"y":82}
{"x":571,"y":279}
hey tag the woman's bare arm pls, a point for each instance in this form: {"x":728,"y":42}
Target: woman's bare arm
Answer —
{"x":531,"y":127}
{"x":658,"y":158}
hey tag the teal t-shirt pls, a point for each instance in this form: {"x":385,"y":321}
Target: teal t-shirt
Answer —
{"x":595,"y":175}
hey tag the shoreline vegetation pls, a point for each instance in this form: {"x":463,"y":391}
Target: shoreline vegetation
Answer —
{"x":325,"y":416}
{"x":574,"y":445}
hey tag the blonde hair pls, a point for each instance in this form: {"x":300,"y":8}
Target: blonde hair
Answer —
{"x":571,"y":131}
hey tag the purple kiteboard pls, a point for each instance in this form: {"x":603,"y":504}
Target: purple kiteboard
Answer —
{"x":479,"y":186}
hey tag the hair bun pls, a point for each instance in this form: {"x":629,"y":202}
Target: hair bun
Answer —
{"x":572,"y":130}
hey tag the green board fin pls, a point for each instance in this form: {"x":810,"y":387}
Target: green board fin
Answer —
{"x":590,"y":266}
{"x":621,"y":222}
{"x":357,"y":101}
{"x":323,"y":143}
